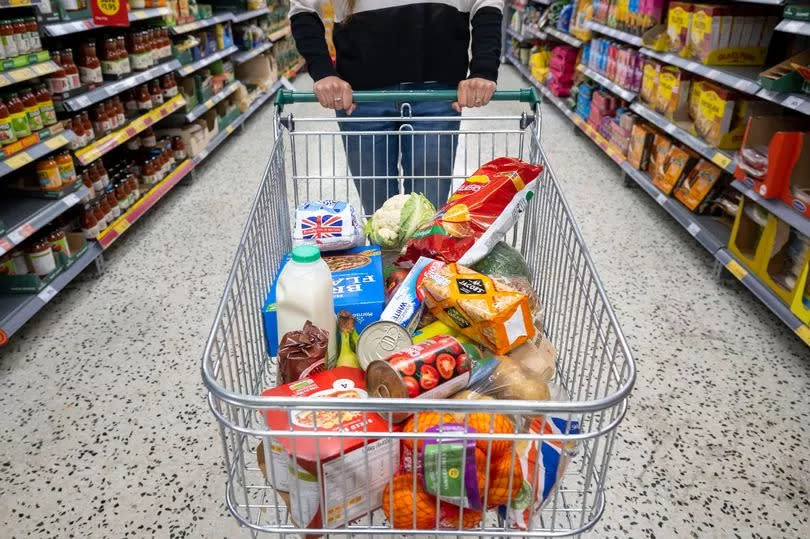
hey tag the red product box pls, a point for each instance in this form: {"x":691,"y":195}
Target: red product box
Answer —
{"x":350,"y":473}
{"x":604,"y":102}
{"x":560,"y":89}
{"x":565,"y":54}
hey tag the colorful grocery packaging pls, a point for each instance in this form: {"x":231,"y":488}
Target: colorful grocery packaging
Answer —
{"x":477,"y":215}
{"x":357,"y":287}
{"x":348,"y":474}
{"x":405,"y":305}
{"x":549,"y":458}
{"x":486,"y":310}
{"x":329,"y":224}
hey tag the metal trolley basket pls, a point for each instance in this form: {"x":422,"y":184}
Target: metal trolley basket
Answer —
{"x":594,"y":365}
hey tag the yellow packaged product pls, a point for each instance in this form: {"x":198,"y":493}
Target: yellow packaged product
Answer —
{"x":649,"y":81}
{"x":694,"y":98}
{"x":638,"y":151}
{"x":660,"y":149}
{"x":672,"y":91}
{"x":487,"y":311}
{"x":716,"y":114}
{"x":677,"y":164}
{"x":679,"y":22}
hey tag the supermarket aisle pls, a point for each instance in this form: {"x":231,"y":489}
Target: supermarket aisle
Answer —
{"x":108,"y":434}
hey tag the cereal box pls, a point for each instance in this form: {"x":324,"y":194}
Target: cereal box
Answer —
{"x":357,"y":287}
{"x":679,"y":21}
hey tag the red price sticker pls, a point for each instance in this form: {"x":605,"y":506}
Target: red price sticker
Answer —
{"x":110,"y":12}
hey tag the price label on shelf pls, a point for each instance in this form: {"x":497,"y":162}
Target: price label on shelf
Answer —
{"x":661,"y":198}
{"x":120,"y":226}
{"x":71,"y":200}
{"x":19,"y":160}
{"x":721,"y":160}
{"x":16,"y":236}
{"x":670,"y":128}
{"x":47,"y":293}
{"x":82,"y":101}
{"x":736,"y":269}
{"x":793,"y":102}
{"x":55,"y":142}
{"x":693,"y":229}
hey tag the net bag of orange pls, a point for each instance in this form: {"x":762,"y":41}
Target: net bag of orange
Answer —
{"x":477,"y":215}
{"x":407,"y":505}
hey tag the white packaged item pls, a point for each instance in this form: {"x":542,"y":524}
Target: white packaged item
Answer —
{"x":304,"y":292}
{"x":330,"y":225}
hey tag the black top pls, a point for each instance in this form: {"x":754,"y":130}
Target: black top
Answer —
{"x":402,"y":41}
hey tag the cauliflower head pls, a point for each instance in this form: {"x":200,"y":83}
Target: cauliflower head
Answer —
{"x":397,"y":219}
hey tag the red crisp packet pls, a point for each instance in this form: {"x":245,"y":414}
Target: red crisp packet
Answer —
{"x":477,"y":215}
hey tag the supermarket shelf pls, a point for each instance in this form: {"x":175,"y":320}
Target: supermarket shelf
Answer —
{"x":20,"y":74}
{"x":536,"y":83}
{"x":612,"y":32}
{"x":763,"y":293}
{"x":5,"y":4}
{"x":32,"y":153}
{"x":743,"y":79}
{"x":106,"y":144}
{"x":243,"y":56}
{"x":712,"y":234}
{"x":612,"y":151}
{"x":718,"y":157}
{"x":17,"y":309}
{"x":25,"y":215}
{"x":107,"y":236}
{"x":539,"y":34}
{"x":765,"y":2}
{"x":794,"y":27}
{"x":204,"y":107}
{"x":562,"y":36}
{"x":204,"y":23}
{"x":114,"y":88}
{"x":777,"y":207}
{"x":797,"y":102}
{"x":72,"y":27}
{"x":516,"y":35}
{"x":210,"y":59}
{"x":279,"y":34}
{"x":627,"y":95}
{"x":241,"y":17}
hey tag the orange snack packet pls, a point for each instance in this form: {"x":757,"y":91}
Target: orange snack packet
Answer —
{"x":487,"y":311}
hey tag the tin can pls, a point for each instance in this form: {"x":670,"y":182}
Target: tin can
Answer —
{"x":381,"y":339}
{"x":433,"y":369}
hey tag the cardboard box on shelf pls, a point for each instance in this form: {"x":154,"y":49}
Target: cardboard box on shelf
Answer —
{"x":783,"y":77}
{"x":750,"y":235}
{"x":785,"y":144}
{"x":676,"y":165}
{"x":679,"y":23}
{"x":193,"y":136}
{"x":660,"y":148}
{"x":649,"y":80}
{"x":640,"y":147}
{"x":698,"y":184}
{"x":259,"y":71}
{"x":731,"y":34}
{"x":672,"y":93}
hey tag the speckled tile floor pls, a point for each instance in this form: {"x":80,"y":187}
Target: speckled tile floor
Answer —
{"x":106,"y":432}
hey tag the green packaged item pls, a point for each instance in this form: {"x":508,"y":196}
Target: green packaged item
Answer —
{"x":503,"y":260}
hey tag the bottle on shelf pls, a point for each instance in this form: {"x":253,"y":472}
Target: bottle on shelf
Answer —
{"x":100,"y":123}
{"x":39,"y":256}
{"x":71,"y":70}
{"x":19,"y":119}
{"x":48,"y":174}
{"x":45,"y":102}
{"x":105,"y":178}
{"x":90,"y":65}
{"x":130,"y":104}
{"x":123,"y":56}
{"x":32,"y":28}
{"x":95,"y":178}
{"x":112,"y":202}
{"x":7,"y":135}
{"x":121,"y":197}
{"x":156,"y":93}
{"x":21,"y":37}
{"x":168,"y":85}
{"x":81,"y":139}
{"x":179,"y":149}
{"x":89,"y":224}
{"x":109,"y":57}
{"x":88,"y":126}
{"x":8,"y":40}
{"x":112,"y":114}
{"x":57,"y":81}
{"x":148,"y":139}
{"x":66,"y":169}
{"x":100,"y":215}
{"x":91,"y":191}
{"x":31,"y":109}
{"x":143,"y":98}
{"x":119,"y":111}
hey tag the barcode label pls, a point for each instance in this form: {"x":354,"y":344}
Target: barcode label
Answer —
{"x":793,"y":102}
{"x":47,"y":294}
{"x":693,"y":229}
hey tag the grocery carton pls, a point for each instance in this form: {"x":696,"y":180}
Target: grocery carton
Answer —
{"x":697,"y":185}
{"x":357,"y":287}
{"x":672,"y":93}
{"x":660,"y":149}
{"x":677,"y":164}
{"x":347,"y":475}
{"x":679,"y":21}
{"x":638,"y":153}
{"x":649,"y":80}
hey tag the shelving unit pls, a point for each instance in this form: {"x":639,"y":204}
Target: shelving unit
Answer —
{"x":25,"y":215}
{"x":32,"y":153}
{"x":243,"y":56}
{"x":562,"y":36}
{"x":719,"y":157}
{"x":204,"y":23}
{"x":710,"y":233}
{"x":64,"y":28}
{"x":208,"y":60}
{"x":111,"y":89}
{"x":612,"y":32}
{"x":107,"y":143}
{"x":17,"y":309}
{"x":210,"y":103}
{"x":627,"y":95}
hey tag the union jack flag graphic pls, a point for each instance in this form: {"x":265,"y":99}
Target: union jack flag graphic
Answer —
{"x":321,"y":226}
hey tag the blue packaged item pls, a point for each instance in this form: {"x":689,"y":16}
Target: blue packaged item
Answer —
{"x":357,"y":287}
{"x":565,"y":18}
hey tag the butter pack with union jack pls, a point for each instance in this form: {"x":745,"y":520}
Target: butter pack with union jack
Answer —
{"x":330,"y":225}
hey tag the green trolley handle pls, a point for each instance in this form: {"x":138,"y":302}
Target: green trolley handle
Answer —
{"x":524,"y":95}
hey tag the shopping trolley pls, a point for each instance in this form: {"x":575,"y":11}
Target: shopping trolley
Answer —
{"x":267,"y":491}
